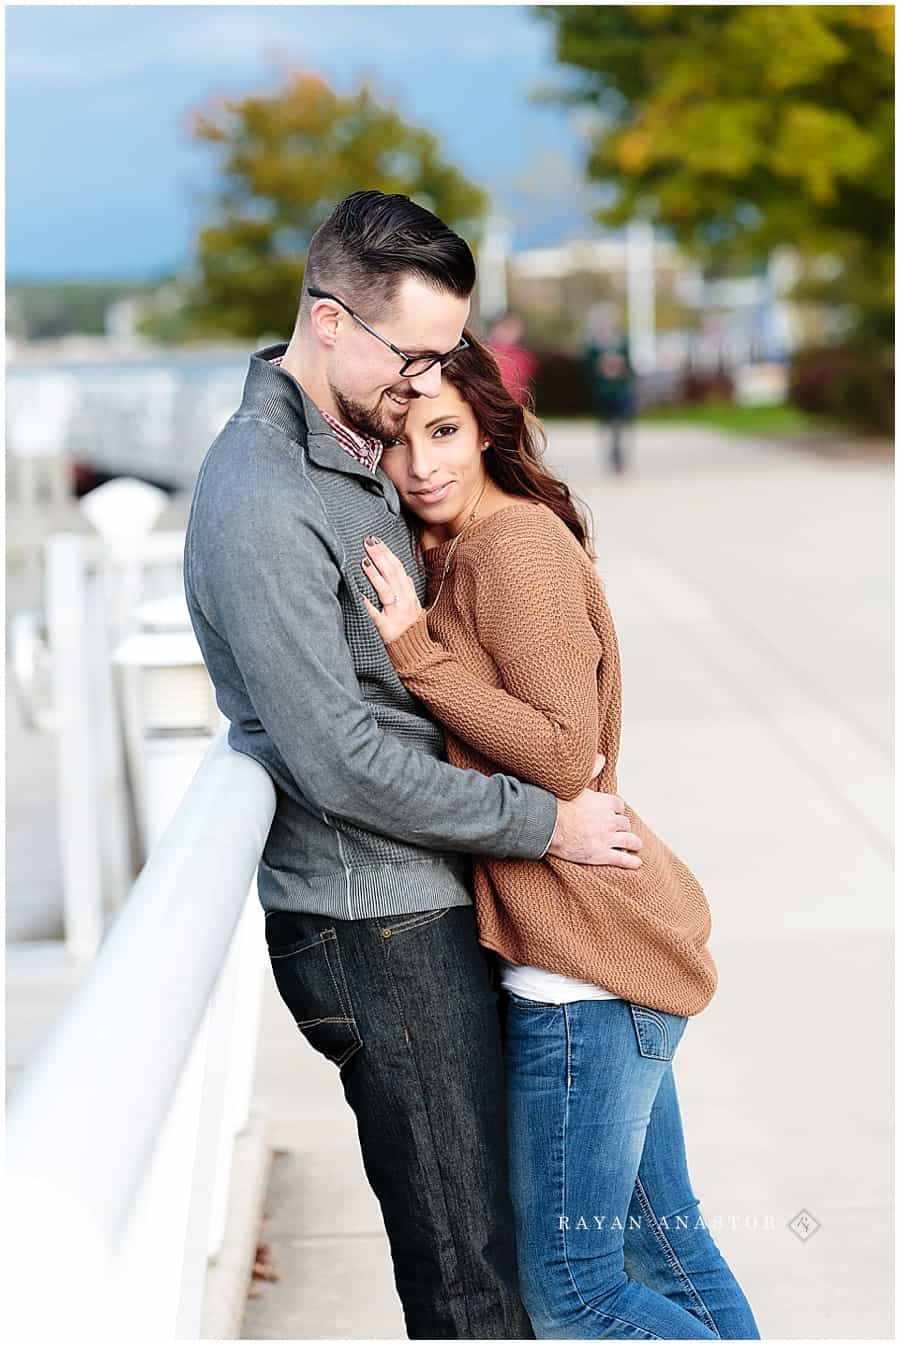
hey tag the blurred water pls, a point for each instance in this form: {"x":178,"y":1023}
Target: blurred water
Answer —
{"x":156,"y":417}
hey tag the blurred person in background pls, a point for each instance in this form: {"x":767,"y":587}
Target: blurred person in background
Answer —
{"x":611,"y":379}
{"x":517,"y":363}
{"x":600,"y":967}
{"x":365,"y":878}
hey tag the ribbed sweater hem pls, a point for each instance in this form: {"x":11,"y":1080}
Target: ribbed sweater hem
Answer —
{"x":355,"y":894}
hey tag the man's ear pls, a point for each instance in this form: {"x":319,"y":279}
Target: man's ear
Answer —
{"x":325,"y":320}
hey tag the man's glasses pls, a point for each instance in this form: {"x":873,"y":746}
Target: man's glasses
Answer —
{"x":413,"y":365}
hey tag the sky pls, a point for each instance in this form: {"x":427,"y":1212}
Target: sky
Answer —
{"x":103,"y":181}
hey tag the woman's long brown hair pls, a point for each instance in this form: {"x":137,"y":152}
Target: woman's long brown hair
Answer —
{"x":514,"y":459}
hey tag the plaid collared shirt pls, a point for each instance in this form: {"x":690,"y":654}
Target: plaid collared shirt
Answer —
{"x":364,"y":449}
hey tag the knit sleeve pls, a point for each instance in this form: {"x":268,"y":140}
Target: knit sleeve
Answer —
{"x":529,"y":611}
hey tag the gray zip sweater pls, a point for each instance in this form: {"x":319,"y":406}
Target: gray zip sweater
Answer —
{"x":369,"y":820}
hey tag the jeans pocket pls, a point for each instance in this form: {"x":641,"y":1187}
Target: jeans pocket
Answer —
{"x":522,"y":1002}
{"x":310,"y":978}
{"x":392,"y":925}
{"x":658,"y":1033}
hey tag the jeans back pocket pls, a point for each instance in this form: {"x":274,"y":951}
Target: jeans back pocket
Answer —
{"x":658,"y":1033}
{"x":310,"y":978}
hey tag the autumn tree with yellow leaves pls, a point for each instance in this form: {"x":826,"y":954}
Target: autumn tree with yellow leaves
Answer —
{"x":741,"y":127}
{"x":288,"y":157}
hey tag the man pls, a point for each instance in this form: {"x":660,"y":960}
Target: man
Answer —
{"x":611,"y":379}
{"x":369,"y":921}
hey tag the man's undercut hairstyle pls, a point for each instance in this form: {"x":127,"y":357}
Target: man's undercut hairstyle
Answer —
{"x":371,"y":241}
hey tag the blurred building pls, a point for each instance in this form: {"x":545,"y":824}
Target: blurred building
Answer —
{"x":726,"y":324}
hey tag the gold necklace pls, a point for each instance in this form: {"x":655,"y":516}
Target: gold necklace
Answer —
{"x":454,"y":544}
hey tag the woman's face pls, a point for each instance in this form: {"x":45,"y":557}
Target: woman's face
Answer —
{"x":436,"y":463}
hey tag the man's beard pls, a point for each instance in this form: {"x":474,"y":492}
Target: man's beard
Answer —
{"x":378,"y":422}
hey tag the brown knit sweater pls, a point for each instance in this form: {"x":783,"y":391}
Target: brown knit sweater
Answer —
{"x":519,"y":661}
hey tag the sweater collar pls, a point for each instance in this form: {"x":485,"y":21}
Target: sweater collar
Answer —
{"x":273,"y":393}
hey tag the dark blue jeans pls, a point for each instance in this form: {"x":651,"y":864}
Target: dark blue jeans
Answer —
{"x":407,"y":1009}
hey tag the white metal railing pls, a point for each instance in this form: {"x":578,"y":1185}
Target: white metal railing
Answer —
{"x":119,"y":1136}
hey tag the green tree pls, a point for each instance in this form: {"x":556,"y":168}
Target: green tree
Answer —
{"x":742,"y":127}
{"x":288,"y":158}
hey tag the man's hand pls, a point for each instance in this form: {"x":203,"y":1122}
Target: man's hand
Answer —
{"x":593,"y":829}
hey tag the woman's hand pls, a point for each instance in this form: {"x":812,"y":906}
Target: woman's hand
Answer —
{"x":400,"y":606}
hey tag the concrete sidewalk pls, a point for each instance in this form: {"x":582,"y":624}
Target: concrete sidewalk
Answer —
{"x":751,"y":590}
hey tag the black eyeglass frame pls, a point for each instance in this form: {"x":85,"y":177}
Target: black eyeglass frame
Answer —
{"x":404,"y":356}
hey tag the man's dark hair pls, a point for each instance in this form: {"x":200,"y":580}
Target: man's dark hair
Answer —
{"x":371,"y":241}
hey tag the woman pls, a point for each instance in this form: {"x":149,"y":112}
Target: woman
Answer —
{"x":600,"y":966}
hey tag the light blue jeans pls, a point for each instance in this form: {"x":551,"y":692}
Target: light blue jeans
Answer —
{"x":611,"y":1243}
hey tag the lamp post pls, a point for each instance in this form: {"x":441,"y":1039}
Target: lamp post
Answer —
{"x":493,"y":299}
{"x":641,"y":279}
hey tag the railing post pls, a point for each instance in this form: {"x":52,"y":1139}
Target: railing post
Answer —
{"x":243,"y":1040}
{"x":152,"y":1245}
{"x":229,"y":1067}
{"x":67,"y":622}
